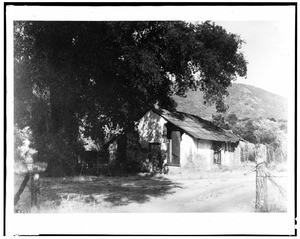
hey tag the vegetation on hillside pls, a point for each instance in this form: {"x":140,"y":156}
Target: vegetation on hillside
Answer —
{"x":244,"y":101}
{"x":256,"y":115}
{"x":261,"y":130}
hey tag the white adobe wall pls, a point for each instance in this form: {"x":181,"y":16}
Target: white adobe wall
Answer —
{"x":200,"y":153}
{"x":150,"y":129}
{"x":187,"y":149}
{"x":205,"y":153}
{"x":237,"y":156}
{"x":225,"y":158}
{"x":231,"y":158}
{"x":192,"y":151}
{"x":195,"y":152}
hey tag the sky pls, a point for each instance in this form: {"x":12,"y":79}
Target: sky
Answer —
{"x":269,"y":50}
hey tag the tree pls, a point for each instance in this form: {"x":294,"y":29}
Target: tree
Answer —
{"x":105,"y":75}
{"x":220,"y":120}
{"x":232,"y":119}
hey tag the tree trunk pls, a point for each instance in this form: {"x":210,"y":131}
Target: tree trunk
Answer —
{"x":64,"y":129}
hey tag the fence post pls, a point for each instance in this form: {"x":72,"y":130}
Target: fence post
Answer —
{"x":34,"y":187}
{"x":261,"y":188}
{"x":32,"y":194}
{"x":21,"y":189}
{"x":261,"y":178}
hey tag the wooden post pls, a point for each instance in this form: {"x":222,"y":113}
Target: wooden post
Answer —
{"x":261,"y":188}
{"x":21,"y":189}
{"x":34,"y":187}
{"x":32,"y":190}
{"x":261,"y":178}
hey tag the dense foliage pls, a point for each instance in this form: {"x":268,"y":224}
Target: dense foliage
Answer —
{"x":265,"y":131}
{"x":24,"y":154}
{"x":104,"y":75}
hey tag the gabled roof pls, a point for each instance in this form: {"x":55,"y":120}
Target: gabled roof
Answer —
{"x":197,"y":127}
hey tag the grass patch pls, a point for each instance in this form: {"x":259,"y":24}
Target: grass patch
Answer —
{"x":93,"y":194}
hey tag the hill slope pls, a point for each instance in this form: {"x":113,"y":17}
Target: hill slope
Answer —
{"x":244,"y":100}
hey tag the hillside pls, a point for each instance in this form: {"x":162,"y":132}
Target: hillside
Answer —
{"x":244,"y":100}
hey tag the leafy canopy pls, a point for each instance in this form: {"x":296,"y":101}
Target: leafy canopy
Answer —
{"x":112,"y":72}
{"x":102,"y":76}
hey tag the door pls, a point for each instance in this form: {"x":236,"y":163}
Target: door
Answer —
{"x":175,"y":148}
{"x":217,"y":146}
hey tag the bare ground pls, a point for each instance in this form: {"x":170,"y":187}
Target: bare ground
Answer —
{"x":218,"y":191}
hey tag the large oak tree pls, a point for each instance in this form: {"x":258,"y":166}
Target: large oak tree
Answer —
{"x":105,"y":75}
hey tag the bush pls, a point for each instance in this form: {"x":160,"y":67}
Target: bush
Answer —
{"x":23,"y":153}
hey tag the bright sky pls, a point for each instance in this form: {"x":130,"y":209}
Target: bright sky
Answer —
{"x":269,"y":49}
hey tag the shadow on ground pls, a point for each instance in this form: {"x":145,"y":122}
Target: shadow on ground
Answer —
{"x":117,"y":191}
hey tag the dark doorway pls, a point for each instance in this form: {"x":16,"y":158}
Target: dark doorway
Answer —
{"x":217,"y":157}
{"x":217,"y":146}
{"x":175,"y":148}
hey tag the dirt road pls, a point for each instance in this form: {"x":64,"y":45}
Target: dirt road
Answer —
{"x":228,"y":194}
{"x":221,"y":191}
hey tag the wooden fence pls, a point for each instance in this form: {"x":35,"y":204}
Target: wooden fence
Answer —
{"x":263,"y":176}
{"x":31,"y":177}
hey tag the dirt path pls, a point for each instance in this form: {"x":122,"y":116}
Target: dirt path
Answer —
{"x":228,"y":191}
{"x":202,"y":195}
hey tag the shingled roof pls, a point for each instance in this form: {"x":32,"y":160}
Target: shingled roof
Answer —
{"x":197,"y":127}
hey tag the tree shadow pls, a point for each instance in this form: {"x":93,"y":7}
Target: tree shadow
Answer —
{"x":116,"y":191}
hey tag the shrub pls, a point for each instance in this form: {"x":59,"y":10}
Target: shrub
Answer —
{"x":23,"y":153}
